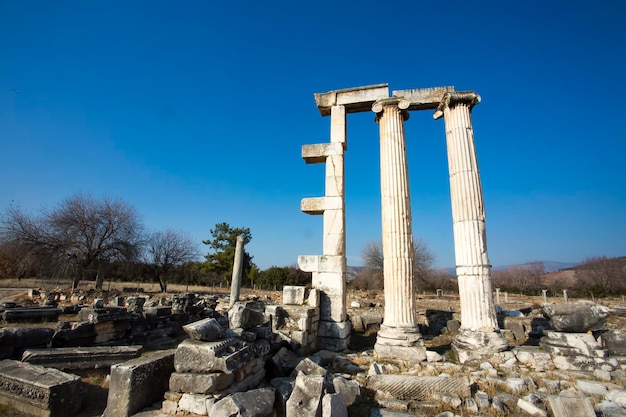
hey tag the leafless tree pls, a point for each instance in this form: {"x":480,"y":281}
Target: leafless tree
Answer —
{"x":79,"y":236}
{"x":168,"y":249}
{"x":602,"y":275}
{"x":373,"y":259}
{"x":523,"y":278}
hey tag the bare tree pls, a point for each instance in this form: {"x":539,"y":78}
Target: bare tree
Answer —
{"x":373,"y":259}
{"x":602,"y":275}
{"x":79,"y":236}
{"x":168,"y":249}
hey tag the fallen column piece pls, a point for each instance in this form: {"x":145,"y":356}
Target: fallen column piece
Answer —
{"x":67,"y":359}
{"x":409,"y":387}
{"x":138,"y":383}
{"x":37,"y":390}
{"x":30,"y":314}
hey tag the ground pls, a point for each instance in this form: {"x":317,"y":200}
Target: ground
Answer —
{"x":95,"y":383}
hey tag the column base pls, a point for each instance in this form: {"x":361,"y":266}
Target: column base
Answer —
{"x":405,"y":344}
{"x":474,"y":346}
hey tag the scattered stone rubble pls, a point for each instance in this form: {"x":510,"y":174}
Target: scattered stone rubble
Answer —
{"x":257,"y":359}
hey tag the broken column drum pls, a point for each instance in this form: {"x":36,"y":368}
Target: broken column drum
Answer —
{"x":479,"y":333}
{"x":400,"y":323}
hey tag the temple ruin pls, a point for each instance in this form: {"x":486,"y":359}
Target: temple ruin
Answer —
{"x":399,"y":336}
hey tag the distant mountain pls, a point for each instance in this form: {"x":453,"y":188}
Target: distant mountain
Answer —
{"x":549,"y":266}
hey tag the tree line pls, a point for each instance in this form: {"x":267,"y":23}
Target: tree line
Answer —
{"x":89,"y":239}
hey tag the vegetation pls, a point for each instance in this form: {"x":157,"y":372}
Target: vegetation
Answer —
{"x":425,"y":276}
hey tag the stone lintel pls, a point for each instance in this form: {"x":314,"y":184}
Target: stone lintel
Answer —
{"x":317,"y":205}
{"x":423,"y":98}
{"x":315,"y":154}
{"x":355,"y":99}
{"x":321,"y":263}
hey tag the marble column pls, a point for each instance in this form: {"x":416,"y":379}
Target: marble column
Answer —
{"x":479,"y":334}
{"x":399,"y":328}
{"x":235,"y":286}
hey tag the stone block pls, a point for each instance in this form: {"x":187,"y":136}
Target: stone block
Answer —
{"x":207,"y":330}
{"x":207,"y":357}
{"x":614,"y":341}
{"x":254,"y":403}
{"x":293,"y":295}
{"x":193,"y":403}
{"x":99,"y":315}
{"x":283,"y":362}
{"x":357,"y":99}
{"x":317,"y":153}
{"x":284,"y":387}
{"x":313,"y":299}
{"x":333,"y":405}
{"x":30,"y":314}
{"x":39,"y":391}
{"x":580,"y":316}
{"x":200,"y":383}
{"x":306,"y":398}
{"x":240,"y":316}
{"x":562,"y":406}
{"x":138,"y":383}
{"x":25,"y":337}
{"x":349,"y":389}
{"x":333,"y":329}
{"x":308,"y":367}
{"x":74,"y":358}
{"x":408,"y":387}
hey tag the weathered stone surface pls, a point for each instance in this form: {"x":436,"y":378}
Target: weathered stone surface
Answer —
{"x":193,"y":403}
{"x":591,"y":387}
{"x":14,"y":339}
{"x":355,"y":99}
{"x":333,"y":405}
{"x":200,"y":383}
{"x":30,"y":314}
{"x":37,"y":390}
{"x":349,"y":389}
{"x":293,"y":294}
{"x":409,"y":387}
{"x":67,"y":359}
{"x":381,"y":412}
{"x":241,"y":316}
{"x":98,"y":315}
{"x":475,"y":346}
{"x":138,"y":383}
{"x":283,"y":362}
{"x":533,"y":357}
{"x":254,"y":403}
{"x":530,"y":408}
{"x":308,"y":367}
{"x":614,"y":341}
{"x":577,"y":317}
{"x":207,"y":330}
{"x":562,"y":406}
{"x":226,"y":356}
{"x":306,"y":398}
{"x":284,"y":387}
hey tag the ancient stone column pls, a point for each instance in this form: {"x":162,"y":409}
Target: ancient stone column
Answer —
{"x":235,"y":286}
{"x":479,"y":334}
{"x":399,"y":327}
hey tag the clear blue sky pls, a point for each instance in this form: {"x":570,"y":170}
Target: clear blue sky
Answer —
{"x":195,"y":113}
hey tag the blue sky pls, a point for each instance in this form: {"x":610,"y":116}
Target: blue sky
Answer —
{"x":195,"y":113}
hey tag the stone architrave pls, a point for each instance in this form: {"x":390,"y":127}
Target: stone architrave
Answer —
{"x":237,"y":269}
{"x":479,"y":334}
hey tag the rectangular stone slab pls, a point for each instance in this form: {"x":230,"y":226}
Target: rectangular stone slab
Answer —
{"x":355,"y":99}
{"x":37,"y":390}
{"x":67,"y":359}
{"x":571,"y":406}
{"x":139,"y":383}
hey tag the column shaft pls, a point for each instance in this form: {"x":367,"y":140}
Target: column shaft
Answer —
{"x":468,"y":213}
{"x":397,"y":234}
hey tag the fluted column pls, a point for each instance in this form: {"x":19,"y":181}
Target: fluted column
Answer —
{"x":399,"y":322}
{"x":478,"y":312}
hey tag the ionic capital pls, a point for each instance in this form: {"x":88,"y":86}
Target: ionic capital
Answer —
{"x":397,"y":102}
{"x":453,"y":98}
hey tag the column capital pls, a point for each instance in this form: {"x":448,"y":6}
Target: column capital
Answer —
{"x":401,"y":103}
{"x":452,"y":98}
